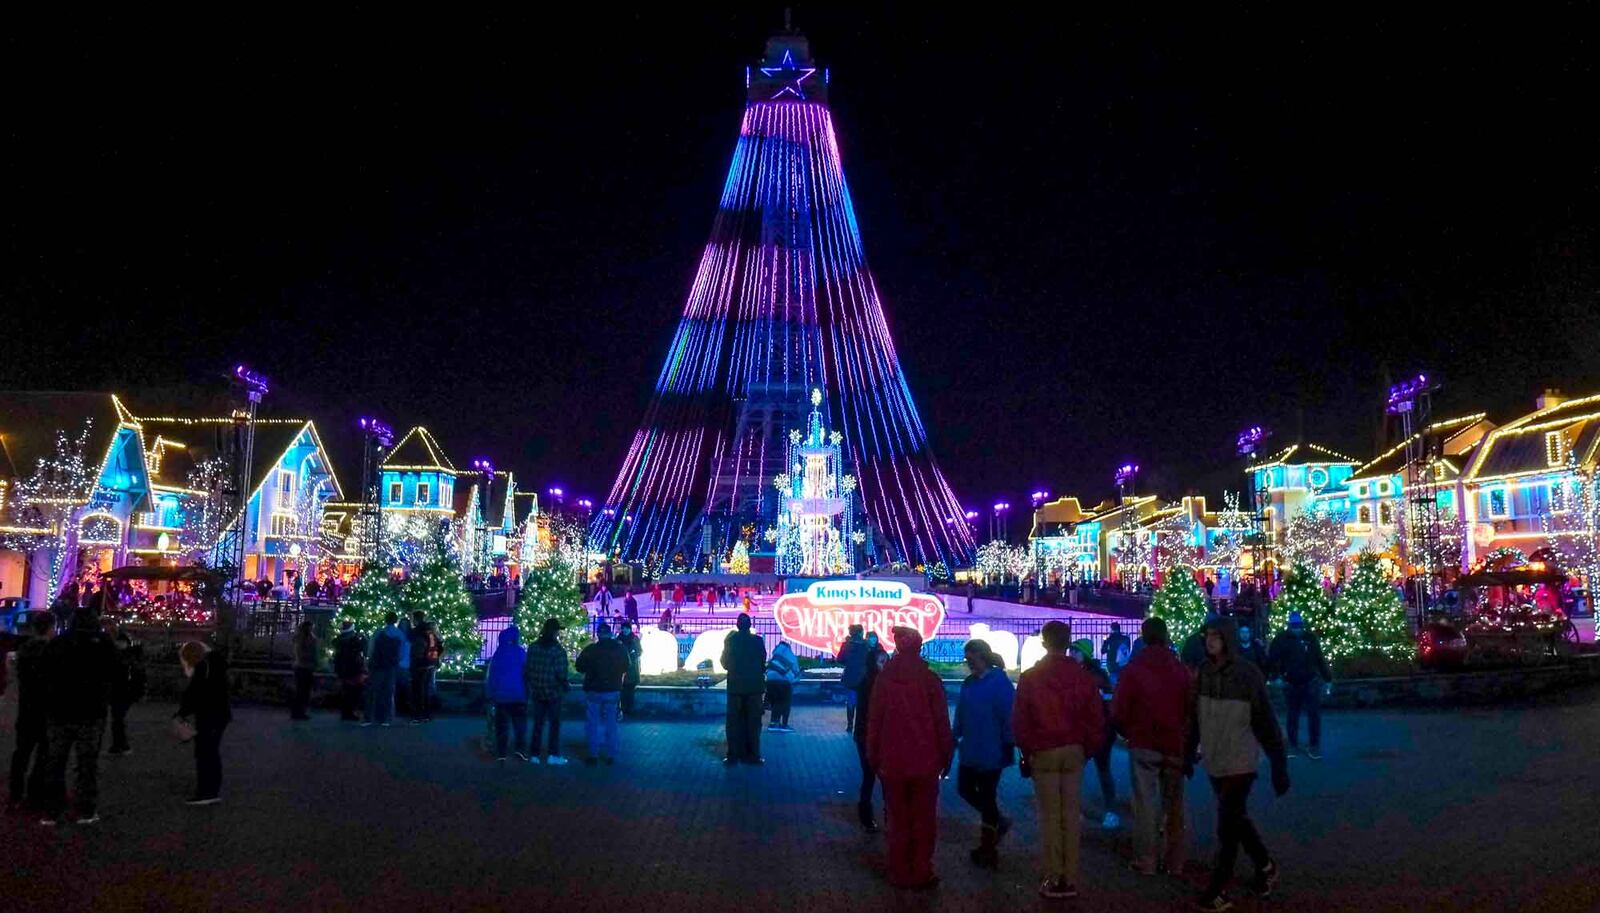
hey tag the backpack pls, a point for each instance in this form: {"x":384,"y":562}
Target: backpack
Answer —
{"x":386,"y":652}
{"x":434,"y":648}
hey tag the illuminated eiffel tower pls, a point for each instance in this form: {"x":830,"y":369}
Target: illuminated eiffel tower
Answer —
{"x":782,"y":303}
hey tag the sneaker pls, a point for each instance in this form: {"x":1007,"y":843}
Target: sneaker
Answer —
{"x":1057,"y":889}
{"x":198,"y":800}
{"x":49,"y":822}
{"x":119,"y":752}
{"x":555,"y":760}
{"x":522,"y":756}
{"x":365,"y":724}
{"x":501,"y":759}
{"x":1111,"y":822}
{"x":1291,"y":751}
{"x":416,"y":722}
{"x":1314,"y":754}
{"x":1266,"y":879}
{"x":1213,"y":903}
{"x":385,"y":725}
{"x":92,"y":819}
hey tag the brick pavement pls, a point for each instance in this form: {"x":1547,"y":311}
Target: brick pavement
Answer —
{"x":323,"y":816}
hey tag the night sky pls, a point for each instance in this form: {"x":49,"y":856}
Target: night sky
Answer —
{"x":1096,"y":241}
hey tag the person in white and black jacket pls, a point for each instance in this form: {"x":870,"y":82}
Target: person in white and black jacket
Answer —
{"x":1231,"y":724}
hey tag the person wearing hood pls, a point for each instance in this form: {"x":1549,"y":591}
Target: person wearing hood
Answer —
{"x":852,"y":658}
{"x":744,"y":656}
{"x":1059,"y":723}
{"x":1232,"y":723}
{"x":206,"y":706}
{"x":1151,"y":709}
{"x":783,"y":670}
{"x":507,"y":691}
{"x":1296,"y":656}
{"x":79,"y":667}
{"x":1083,"y":651}
{"x":984,"y":744}
{"x":1193,"y":652}
{"x":31,"y":748}
{"x":909,"y":744}
{"x":545,"y":676}
{"x":630,"y":682}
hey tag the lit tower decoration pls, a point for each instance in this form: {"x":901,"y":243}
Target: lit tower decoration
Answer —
{"x":816,"y":528}
{"x":782,"y":303}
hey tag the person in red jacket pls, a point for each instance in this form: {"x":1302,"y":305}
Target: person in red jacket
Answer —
{"x":1151,"y":710}
{"x":909,"y":744}
{"x":1058,"y":721}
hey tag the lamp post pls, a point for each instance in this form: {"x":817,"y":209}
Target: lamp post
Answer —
{"x":997,"y":529}
{"x":486,"y":546}
{"x":585,"y":509}
{"x":1247,"y":446}
{"x":377,"y":437}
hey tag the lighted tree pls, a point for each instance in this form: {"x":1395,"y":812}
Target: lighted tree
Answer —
{"x":1229,"y":542}
{"x":370,"y":596}
{"x":1181,"y":603}
{"x":1316,"y":538}
{"x":739,"y":561}
{"x":1132,"y":549}
{"x":1572,"y":526}
{"x":435,"y":588}
{"x":1302,"y":592}
{"x":991,"y":561}
{"x":1172,"y":542}
{"x":1369,"y":616}
{"x":40,"y":507}
{"x":552,"y":592}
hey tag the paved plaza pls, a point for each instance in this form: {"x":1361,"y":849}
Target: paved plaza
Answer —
{"x":1477,"y":809}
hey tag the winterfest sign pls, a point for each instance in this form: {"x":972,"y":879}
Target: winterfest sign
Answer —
{"x":821,"y":616}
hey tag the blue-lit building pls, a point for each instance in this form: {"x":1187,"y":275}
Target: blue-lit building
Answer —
{"x":1295,"y":479}
{"x":418,"y":480}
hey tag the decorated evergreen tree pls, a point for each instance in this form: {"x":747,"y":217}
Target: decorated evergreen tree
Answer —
{"x":370,"y":597}
{"x":739,"y":561}
{"x":1369,"y":616}
{"x":552,"y":592}
{"x":435,"y":589}
{"x":1180,"y":603}
{"x":1302,"y":592}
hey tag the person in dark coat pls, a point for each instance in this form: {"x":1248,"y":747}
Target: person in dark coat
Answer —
{"x":909,"y":744}
{"x":350,"y":665}
{"x":603,"y":665}
{"x":1296,"y":656}
{"x":127,"y":689}
{"x":545,"y":676}
{"x":984,"y":744}
{"x":1151,"y":709}
{"x":79,"y":668}
{"x":205,"y":706}
{"x":873,"y":663}
{"x":744,"y":656}
{"x":630,"y":681}
{"x":32,"y":721}
{"x":305,"y":666}
{"x":427,"y":649}
{"x":852,"y":657}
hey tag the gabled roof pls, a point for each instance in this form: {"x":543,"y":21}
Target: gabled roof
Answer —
{"x":1459,"y":436}
{"x":492,"y":509}
{"x":418,"y":450}
{"x":1520,"y":446}
{"x":526,"y":503}
{"x":29,"y":422}
{"x":1304,"y":452}
{"x":207,"y":436}
{"x":170,"y":461}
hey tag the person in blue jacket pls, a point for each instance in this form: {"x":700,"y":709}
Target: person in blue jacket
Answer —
{"x":509,"y":694}
{"x":984,"y":744}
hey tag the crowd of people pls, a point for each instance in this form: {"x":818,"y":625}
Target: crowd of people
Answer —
{"x":77,"y":681}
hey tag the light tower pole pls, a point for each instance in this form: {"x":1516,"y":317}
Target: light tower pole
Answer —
{"x":376,"y":438}
{"x":1412,"y":401}
{"x":1247,"y":446}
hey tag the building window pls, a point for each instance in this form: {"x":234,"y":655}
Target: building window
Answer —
{"x":1364,"y":514}
{"x":285,"y":490}
{"x":1318,"y":477}
{"x":1555,"y":448}
{"x":1361,"y":491}
{"x":1385,"y":513}
{"x":1438,"y":472}
{"x":1383,"y":488}
{"x":396,"y":491}
{"x":422,"y":492}
{"x":283,"y":525}
{"x":1497,"y":503}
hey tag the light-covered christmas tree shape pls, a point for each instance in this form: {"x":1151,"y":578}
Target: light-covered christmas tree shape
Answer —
{"x":552,"y":592}
{"x":739,"y":561}
{"x":435,"y":588}
{"x":1302,"y":592}
{"x":1369,"y":616}
{"x":370,"y":597}
{"x":1180,"y":603}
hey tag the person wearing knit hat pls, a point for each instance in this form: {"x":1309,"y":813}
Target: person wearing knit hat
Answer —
{"x":910,"y":745}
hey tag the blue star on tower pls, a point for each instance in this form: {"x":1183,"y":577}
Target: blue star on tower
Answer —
{"x":788,"y":70}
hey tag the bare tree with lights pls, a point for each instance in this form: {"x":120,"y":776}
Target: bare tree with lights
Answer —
{"x":1572,"y":525}
{"x":1315,"y":538}
{"x":39,"y":509}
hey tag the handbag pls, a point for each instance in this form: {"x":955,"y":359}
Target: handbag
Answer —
{"x":182,"y":729}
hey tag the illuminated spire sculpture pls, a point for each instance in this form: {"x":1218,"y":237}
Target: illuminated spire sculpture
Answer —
{"x":815,"y":535}
{"x":782,"y":303}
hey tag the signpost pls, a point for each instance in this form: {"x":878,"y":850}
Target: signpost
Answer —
{"x":820,"y":617}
